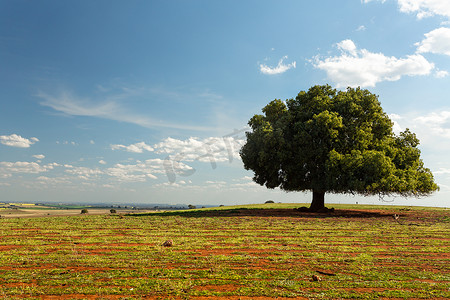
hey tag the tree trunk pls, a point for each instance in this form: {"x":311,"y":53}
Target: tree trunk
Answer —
{"x":318,"y":201}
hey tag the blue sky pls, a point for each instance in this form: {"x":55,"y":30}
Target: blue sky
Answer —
{"x":147,"y":101}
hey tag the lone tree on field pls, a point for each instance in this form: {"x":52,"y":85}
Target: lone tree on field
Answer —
{"x":334,"y":141}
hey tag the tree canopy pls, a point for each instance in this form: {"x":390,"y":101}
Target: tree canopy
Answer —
{"x":333,"y":141}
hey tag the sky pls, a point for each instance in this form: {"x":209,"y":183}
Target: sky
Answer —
{"x":148,"y":101}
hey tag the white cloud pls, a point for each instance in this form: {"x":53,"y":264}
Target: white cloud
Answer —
{"x":441,"y":74}
{"x":128,"y":173}
{"x":436,"y":41}
{"x":422,"y":8}
{"x":347,"y":46}
{"x":15,"y":140}
{"x":84,"y":173}
{"x":140,"y":171}
{"x":280,"y":68}
{"x":25,"y":167}
{"x":55,"y":181}
{"x":135,"y":148}
{"x":102,"y":162}
{"x":39,"y":156}
{"x":360,"y":67}
{"x":216,"y":182}
{"x":212,"y":149}
{"x":425,"y":8}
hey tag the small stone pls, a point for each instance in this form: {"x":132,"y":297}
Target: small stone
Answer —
{"x":316,"y":278}
{"x":168,"y":243}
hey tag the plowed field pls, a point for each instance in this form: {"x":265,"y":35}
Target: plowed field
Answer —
{"x":231,"y":253}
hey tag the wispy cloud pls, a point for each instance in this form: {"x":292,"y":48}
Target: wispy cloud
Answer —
{"x":280,"y":68}
{"x":361,"y":28}
{"x":360,"y":67}
{"x":69,"y":104}
{"x":15,"y":140}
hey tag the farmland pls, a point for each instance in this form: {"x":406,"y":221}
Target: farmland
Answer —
{"x":244,"y":252}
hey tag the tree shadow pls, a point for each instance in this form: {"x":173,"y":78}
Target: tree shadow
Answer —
{"x":268,"y":212}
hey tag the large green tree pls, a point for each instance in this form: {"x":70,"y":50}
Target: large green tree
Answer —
{"x":333,"y":141}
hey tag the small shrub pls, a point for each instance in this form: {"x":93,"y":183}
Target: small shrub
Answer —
{"x":113,"y":211}
{"x":84,"y":211}
{"x":269,"y":201}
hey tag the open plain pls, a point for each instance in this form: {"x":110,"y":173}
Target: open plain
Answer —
{"x":265,"y":251}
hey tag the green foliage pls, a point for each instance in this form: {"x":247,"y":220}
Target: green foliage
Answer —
{"x":326,"y":140}
{"x":84,"y":211}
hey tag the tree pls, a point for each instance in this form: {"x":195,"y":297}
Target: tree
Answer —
{"x":333,"y":141}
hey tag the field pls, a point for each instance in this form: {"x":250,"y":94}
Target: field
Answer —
{"x":21,"y":210}
{"x":245,"y":252}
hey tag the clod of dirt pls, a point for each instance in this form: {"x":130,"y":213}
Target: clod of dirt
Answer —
{"x":168,"y":243}
{"x":316,"y":278}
